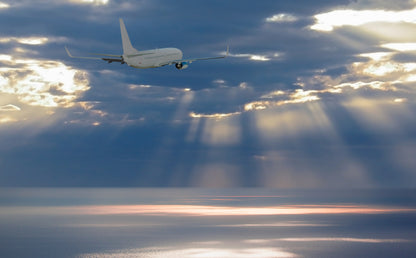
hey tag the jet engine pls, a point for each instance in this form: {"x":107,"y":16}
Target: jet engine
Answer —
{"x":182,"y":65}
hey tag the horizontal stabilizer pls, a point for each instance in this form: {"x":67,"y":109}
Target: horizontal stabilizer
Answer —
{"x":84,"y":57}
{"x":110,"y":60}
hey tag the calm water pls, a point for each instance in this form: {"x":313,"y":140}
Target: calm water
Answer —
{"x":206,"y":223}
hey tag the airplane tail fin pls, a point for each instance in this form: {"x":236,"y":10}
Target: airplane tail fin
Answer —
{"x":128,"y":49}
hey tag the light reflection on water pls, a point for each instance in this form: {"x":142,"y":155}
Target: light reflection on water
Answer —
{"x":196,"y":252}
{"x":206,"y":223}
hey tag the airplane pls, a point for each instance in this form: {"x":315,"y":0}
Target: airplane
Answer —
{"x":147,"y":58}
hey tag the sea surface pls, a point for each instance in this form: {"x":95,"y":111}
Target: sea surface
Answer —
{"x":192,"y":222}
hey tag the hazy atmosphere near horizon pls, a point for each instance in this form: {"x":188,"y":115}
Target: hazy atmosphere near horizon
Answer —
{"x":314,"y":94}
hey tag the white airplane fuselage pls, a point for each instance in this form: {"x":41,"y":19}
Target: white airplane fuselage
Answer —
{"x":152,"y":58}
{"x":148,"y":58}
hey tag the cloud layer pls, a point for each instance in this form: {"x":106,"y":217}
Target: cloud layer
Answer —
{"x":303,"y":100}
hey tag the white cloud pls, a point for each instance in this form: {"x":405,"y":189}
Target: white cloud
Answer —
{"x":400,"y":100}
{"x":380,"y":73}
{"x":295,"y":97}
{"x":44,"y":83}
{"x":253,"y":57}
{"x":25,"y":40}
{"x":401,"y":46}
{"x":377,"y":56}
{"x":215,"y":116}
{"x":4,"y":5}
{"x":338,"y":18}
{"x":219,"y":81}
{"x":9,"y":107}
{"x":35,"y":40}
{"x":93,"y":2}
{"x":282,"y":17}
{"x":258,"y":57}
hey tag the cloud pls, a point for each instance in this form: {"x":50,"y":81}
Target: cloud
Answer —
{"x":258,"y":57}
{"x":4,"y":5}
{"x":7,"y":119}
{"x":297,"y":97}
{"x":93,"y":2}
{"x":44,"y":83}
{"x":9,"y":107}
{"x":81,"y":2}
{"x":284,"y":99}
{"x":338,"y":18}
{"x":216,"y":116}
{"x":282,"y":17}
{"x":27,"y":41}
{"x":408,"y":46}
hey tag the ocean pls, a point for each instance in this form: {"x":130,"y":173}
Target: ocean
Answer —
{"x":194,"y":222}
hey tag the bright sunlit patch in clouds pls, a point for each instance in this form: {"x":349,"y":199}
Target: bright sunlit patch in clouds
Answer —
{"x":377,"y":56}
{"x":387,"y":72}
{"x":338,"y":18}
{"x":9,"y":107}
{"x":257,"y":105}
{"x":25,"y":40}
{"x":7,"y":119}
{"x":4,"y":5}
{"x":400,"y":46}
{"x":215,"y":116}
{"x":44,"y":83}
{"x":296,"y":97}
{"x":400,"y":100}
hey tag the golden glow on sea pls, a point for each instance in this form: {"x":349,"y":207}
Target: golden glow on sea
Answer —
{"x":197,"y":252}
{"x":199,"y":210}
{"x":343,"y":239}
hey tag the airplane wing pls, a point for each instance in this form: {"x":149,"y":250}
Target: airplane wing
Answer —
{"x":108,"y":58}
{"x":190,"y":60}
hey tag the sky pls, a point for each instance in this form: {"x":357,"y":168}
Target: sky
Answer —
{"x":314,"y":94}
